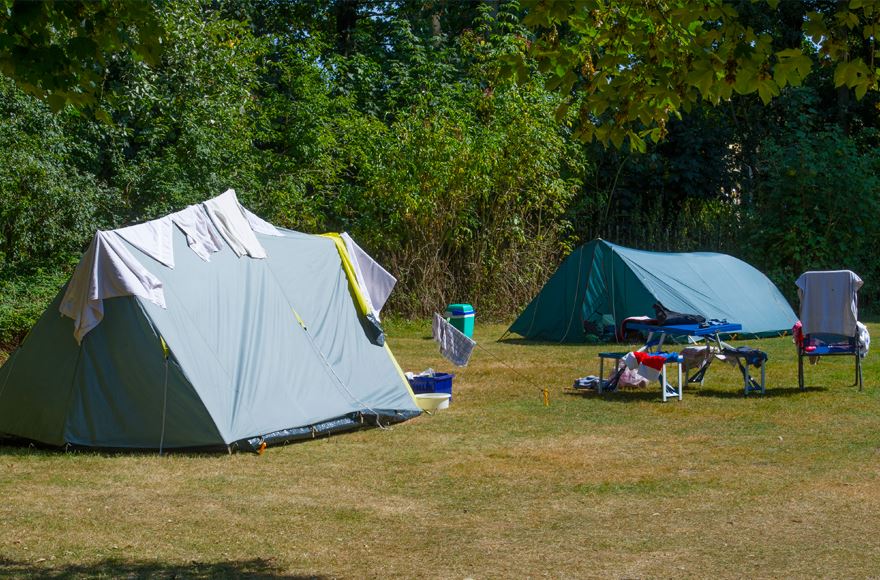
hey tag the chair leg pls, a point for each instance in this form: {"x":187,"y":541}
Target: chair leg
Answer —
{"x":858,"y":369}
{"x":800,"y":370}
{"x":763,"y":376}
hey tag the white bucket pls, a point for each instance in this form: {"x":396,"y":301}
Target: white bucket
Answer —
{"x":432,"y":401}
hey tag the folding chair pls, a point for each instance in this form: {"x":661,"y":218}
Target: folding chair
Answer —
{"x":829,"y":318}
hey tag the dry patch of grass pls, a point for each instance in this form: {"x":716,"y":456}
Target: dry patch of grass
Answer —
{"x":719,"y":485}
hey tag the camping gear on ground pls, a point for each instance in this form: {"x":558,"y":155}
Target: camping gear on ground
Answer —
{"x":711,"y":331}
{"x":433,"y":401}
{"x":620,"y":376}
{"x":639,"y":368}
{"x":208,"y":328}
{"x":589,"y":382}
{"x":461,"y":316}
{"x":454,"y":345}
{"x":829,"y":318}
{"x":599,"y":384}
{"x":431,"y":382}
{"x":602,"y":284}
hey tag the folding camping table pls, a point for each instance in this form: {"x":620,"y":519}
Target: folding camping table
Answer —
{"x":668,"y":390}
{"x":711,"y":333}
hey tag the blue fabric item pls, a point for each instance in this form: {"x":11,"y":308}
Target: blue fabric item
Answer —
{"x":588,"y":382}
{"x":752,"y":356}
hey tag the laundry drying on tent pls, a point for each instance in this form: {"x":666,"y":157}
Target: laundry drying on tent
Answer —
{"x":208,"y":328}
{"x":601,"y":284}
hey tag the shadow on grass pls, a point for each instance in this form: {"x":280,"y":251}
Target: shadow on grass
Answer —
{"x":19,"y":446}
{"x":611,"y":346}
{"x":770,"y":392}
{"x":626,"y":396}
{"x":620,"y":396}
{"x":256,"y":568}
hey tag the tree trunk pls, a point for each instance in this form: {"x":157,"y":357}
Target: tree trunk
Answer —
{"x":436,"y":27}
{"x":346,"y":21}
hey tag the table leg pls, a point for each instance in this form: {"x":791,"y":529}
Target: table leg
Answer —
{"x":644,"y":348}
{"x":763,"y":389}
{"x":679,"y":381}
{"x":663,"y":382}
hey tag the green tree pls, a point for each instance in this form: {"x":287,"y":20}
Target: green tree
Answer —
{"x":814,"y":202}
{"x":636,"y":64}
{"x":58,"y":50}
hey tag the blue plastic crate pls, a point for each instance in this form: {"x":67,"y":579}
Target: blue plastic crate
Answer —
{"x":435,"y":383}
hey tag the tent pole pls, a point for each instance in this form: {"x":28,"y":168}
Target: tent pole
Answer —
{"x":613,"y":309}
{"x":11,"y":369}
{"x":164,"y":397}
{"x":574,"y":300}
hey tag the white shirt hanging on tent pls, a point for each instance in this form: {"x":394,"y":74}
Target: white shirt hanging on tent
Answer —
{"x":200,"y":236}
{"x":454,"y":345}
{"x":258,"y":224}
{"x":375,"y":281}
{"x":107,"y":270}
{"x":154,"y":238}
{"x":226,"y":214}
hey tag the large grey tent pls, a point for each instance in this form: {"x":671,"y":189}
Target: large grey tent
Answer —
{"x":209,"y":328}
{"x":600,"y":284}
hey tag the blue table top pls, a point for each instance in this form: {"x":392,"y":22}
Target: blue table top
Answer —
{"x":687,"y":329}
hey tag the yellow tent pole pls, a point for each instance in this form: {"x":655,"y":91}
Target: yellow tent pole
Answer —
{"x":360,"y":301}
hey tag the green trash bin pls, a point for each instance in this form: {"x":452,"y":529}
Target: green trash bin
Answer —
{"x":461,"y":316}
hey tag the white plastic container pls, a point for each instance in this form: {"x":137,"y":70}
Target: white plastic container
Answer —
{"x":432,"y":401}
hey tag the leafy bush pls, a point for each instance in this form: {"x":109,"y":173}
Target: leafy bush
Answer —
{"x":815,"y":208}
{"x":24,"y":296}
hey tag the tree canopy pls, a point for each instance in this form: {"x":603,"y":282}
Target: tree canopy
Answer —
{"x":463,"y":144}
{"x":59,"y":50}
{"x":630,"y":66}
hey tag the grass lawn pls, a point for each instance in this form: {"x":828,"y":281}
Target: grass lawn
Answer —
{"x":717,"y":485}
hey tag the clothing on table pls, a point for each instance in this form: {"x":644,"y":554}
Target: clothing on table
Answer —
{"x":695,"y":357}
{"x":648,"y":365}
{"x":632,"y":378}
{"x":752,"y":356}
{"x":637,"y":319}
{"x":672,"y":318}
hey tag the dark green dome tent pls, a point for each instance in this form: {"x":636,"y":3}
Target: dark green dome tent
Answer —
{"x":207,"y":328}
{"x":600,"y":284}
